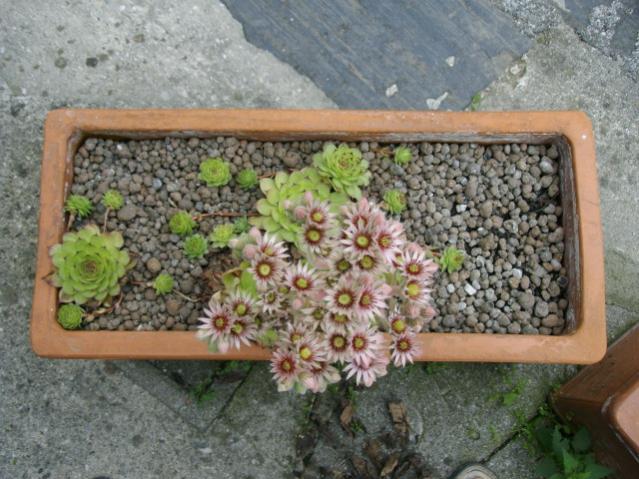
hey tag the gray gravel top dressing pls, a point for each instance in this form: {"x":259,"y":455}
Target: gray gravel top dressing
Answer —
{"x":499,"y":203}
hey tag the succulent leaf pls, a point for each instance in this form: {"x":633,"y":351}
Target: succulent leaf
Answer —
{"x":89,"y":265}
{"x":241,"y":225}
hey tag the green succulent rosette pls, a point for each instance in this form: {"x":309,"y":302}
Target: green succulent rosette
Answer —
{"x":247,"y":179}
{"x":395,"y":201}
{"x":221,"y":235}
{"x":70,"y":316}
{"x":181,"y":223}
{"x":163,"y":284}
{"x":283,"y":193}
{"x":78,"y":205}
{"x":403,"y":155}
{"x":195,"y":246}
{"x":451,"y":259}
{"x":215,"y":172}
{"x":344,"y":168}
{"x":113,"y":200}
{"x":88,"y":265}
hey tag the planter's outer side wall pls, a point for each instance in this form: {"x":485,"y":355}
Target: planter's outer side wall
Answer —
{"x":64,"y":129}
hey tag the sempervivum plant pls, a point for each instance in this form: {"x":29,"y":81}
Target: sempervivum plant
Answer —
{"x":70,"y":316}
{"x":344,"y":168}
{"x":215,"y":172}
{"x":78,"y":205}
{"x":283,"y":193}
{"x":323,"y":302}
{"x":89,"y":265}
{"x":181,"y":223}
{"x":221,"y":235}
{"x":247,"y":179}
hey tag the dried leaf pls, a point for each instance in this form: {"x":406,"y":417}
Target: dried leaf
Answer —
{"x":365,"y":469}
{"x":373,"y":450}
{"x":391,"y":464}
{"x":346,"y":417}
{"x":399,"y":416}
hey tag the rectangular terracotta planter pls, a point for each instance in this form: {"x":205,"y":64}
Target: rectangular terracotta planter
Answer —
{"x":584,"y":341}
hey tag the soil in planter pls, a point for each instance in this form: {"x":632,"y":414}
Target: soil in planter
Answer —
{"x":500,"y":204}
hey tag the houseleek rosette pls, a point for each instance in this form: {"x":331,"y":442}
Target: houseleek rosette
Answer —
{"x":88,"y":265}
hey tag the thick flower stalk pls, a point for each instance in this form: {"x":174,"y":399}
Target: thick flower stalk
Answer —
{"x":326,"y":297}
{"x":89,"y":265}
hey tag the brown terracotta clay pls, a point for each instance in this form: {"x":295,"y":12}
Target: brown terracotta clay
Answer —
{"x":605,"y":398}
{"x":571,"y":131}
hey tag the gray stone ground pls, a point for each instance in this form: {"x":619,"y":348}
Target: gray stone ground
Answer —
{"x":89,"y":419}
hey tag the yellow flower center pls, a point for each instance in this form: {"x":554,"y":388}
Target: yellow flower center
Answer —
{"x":317,"y":216}
{"x":295,"y":337}
{"x":403,"y":345}
{"x":313,"y":235}
{"x":399,"y":326}
{"x":241,"y":309}
{"x":237,"y":328}
{"x":286,"y":365}
{"x":301,"y":283}
{"x":413,"y":290}
{"x":362,"y":241}
{"x":366,"y":299}
{"x":305,"y":353}
{"x":345,"y":299}
{"x":264,"y":270}
{"x":339,"y":342}
{"x":385,"y":241}
{"x":359,"y":343}
{"x":343,"y":265}
{"x":367,"y":262}
{"x":414,"y":268}
{"x":340,"y":318}
{"x":219,"y":322}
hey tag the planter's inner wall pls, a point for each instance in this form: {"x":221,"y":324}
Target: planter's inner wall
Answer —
{"x":566,"y":180}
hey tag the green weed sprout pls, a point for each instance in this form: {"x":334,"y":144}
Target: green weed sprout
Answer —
{"x":112,"y":200}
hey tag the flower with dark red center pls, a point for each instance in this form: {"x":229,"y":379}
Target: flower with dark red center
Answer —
{"x":215,"y":325}
{"x":241,"y":304}
{"x":367,"y":372}
{"x":337,"y":347}
{"x":285,"y":369}
{"x":366,"y":344}
{"x":404,"y":348}
{"x":320,"y":376}
{"x":266,"y":271}
{"x":371,"y":301}
{"x":301,"y":278}
{"x":241,"y":332}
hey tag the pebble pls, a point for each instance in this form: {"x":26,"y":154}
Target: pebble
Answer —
{"x":500,"y":204}
{"x":154,"y":265}
{"x":127,"y":212}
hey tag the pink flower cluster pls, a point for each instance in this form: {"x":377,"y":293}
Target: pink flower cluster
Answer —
{"x":327,"y":300}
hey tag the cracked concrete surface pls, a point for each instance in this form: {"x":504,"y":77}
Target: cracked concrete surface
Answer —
{"x":88,"y":419}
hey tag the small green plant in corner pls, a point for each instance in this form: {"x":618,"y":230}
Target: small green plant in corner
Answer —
{"x":112,"y":200}
{"x":395,"y":201}
{"x":403,"y":155}
{"x":181,"y":223}
{"x":195,"y":246}
{"x":201,"y":392}
{"x":247,"y":179}
{"x":475,"y":101}
{"x":215,"y":172}
{"x":451,"y":259}
{"x":221,"y":235}
{"x":567,"y":454}
{"x":70,"y":316}
{"x":163,"y":284}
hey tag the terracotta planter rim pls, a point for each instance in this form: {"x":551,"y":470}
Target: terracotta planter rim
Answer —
{"x":65,"y":129}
